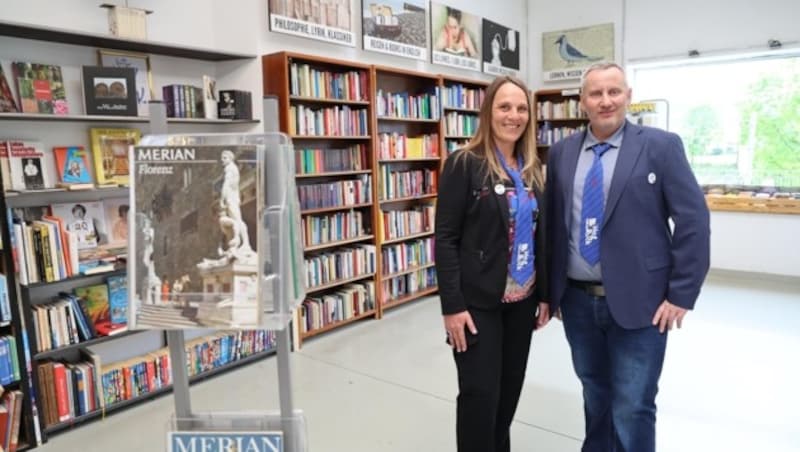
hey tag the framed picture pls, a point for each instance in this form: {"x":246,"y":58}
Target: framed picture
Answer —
{"x":140,"y":62}
{"x":110,"y":154}
{"x":396,"y":27}
{"x":567,"y":53}
{"x":109,"y":91}
{"x":323,"y":20}
{"x":455,"y":36}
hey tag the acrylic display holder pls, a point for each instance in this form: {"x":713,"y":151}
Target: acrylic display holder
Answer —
{"x":279,"y":288}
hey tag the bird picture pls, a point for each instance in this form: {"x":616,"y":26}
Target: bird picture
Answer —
{"x":570,"y":54}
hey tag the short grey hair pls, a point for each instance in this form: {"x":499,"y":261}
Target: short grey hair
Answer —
{"x":602,"y":66}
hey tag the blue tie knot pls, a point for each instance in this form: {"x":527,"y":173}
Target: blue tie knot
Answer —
{"x":600,"y":148}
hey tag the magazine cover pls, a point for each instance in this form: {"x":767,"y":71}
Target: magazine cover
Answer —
{"x":72,"y":164}
{"x":7,"y":102}
{"x":195,"y":262}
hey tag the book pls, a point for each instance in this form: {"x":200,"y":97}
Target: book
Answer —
{"x":195,"y":263}
{"x":72,"y":165}
{"x":110,"y":153}
{"x":86,"y":220}
{"x":109,"y":90}
{"x":210,"y":97}
{"x":40,"y":88}
{"x":7,"y":102}
{"x":118,"y":299}
{"x":116,"y":216}
{"x":30,"y":167}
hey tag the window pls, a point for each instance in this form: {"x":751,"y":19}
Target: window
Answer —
{"x":738,"y":116}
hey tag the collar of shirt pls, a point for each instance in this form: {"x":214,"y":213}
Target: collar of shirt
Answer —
{"x":615,"y":140}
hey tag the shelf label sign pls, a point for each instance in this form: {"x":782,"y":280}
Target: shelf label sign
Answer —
{"x":193,"y":441}
{"x":297,"y":27}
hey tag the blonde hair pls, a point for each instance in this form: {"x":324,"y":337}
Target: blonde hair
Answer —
{"x":483,"y":147}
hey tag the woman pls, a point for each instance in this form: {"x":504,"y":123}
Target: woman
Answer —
{"x":490,"y":255}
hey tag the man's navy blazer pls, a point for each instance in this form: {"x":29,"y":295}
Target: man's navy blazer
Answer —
{"x":643,"y":261}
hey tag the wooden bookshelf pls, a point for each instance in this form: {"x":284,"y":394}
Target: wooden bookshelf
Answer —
{"x":558,"y":111}
{"x":416,"y":97}
{"x":461,"y":101}
{"x":325,"y":90}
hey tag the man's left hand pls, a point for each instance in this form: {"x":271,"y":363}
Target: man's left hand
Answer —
{"x":668,"y":315}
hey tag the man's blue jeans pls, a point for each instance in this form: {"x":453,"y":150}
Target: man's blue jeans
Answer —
{"x":619,"y":370}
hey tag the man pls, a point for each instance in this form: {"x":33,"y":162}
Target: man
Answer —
{"x":621,"y":278}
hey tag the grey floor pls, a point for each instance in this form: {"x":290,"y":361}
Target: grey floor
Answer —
{"x":731,"y":383}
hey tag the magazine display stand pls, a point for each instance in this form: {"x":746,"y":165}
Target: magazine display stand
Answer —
{"x":273,"y":284}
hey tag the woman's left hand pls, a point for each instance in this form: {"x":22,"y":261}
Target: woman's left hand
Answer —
{"x":544,"y":314}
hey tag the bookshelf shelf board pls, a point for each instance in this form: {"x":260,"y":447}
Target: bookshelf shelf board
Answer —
{"x":458,"y":137}
{"x":47,"y":197}
{"x":396,"y":119}
{"x":416,"y":159}
{"x":334,"y":208}
{"x":563,"y":120}
{"x":337,"y":283}
{"x":98,"y":340}
{"x":64,"y":36}
{"x":335,"y":325}
{"x":409,"y":198}
{"x":97,"y":414}
{"x":330,"y":137}
{"x":333,"y":174}
{"x":321,"y":100}
{"x":462,"y":110}
{"x":410,"y":297}
{"x":323,"y":246}
{"x":408,"y":237}
{"x":408,"y":270}
{"x":88,"y":279}
{"x":107,"y":118}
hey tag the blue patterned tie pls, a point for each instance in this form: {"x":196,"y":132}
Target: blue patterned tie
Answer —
{"x":592,"y":209}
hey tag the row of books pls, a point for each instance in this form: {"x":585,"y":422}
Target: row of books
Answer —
{"x":9,"y":360}
{"x":344,"y":263}
{"x":568,"y":109}
{"x":403,"y":256}
{"x":340,"y":193}
{"x":405,"y":184}
{"x":460,"y":124}
{"x":397,"y":224}
{"x":55,"y":242}
{"x":459,"y":96}
{"x":320,"y":160}
{"x":408,"y":284}
{"x":453,"y":145}
{"x":310,"y":82}
{"x":547,"y":134}
{"x":342,"y":304}
{"x":336,"y":121}
{"x":70,"y":390}
{"x":321,"y":229}
{"x":91,"y":312}
{"x":399,"y":146}
{"x":10,"y":419}
{"x":405,"y":105}
{"x":27,"y":165}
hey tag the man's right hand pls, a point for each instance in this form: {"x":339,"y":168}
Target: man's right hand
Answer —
{"x":455,"y":324}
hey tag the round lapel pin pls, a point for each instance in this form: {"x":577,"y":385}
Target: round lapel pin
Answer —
{"x":651,"y":178}
{"x":499,"y":189}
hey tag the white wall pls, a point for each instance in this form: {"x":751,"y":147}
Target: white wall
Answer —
{"x":649,"y":29}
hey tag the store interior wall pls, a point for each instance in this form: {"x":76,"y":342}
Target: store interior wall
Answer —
{"x":650,"y":30}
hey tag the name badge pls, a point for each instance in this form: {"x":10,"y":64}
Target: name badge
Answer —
{"x":651,"y":178}
{"x":499,"y":189}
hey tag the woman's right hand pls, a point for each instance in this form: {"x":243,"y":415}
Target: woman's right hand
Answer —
{"x":455,"y":325}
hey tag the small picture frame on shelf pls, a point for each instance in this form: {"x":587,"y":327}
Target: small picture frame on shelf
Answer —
{"x":140,"y":62}
{"x":109,"y":91}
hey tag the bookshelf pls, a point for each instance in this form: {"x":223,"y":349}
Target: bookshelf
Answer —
{"x":461,"y":103}
{"x":558,"y":115}
{"x":326,"y":106}
{"x":408,"y":151}
{"x":35,"y":43}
